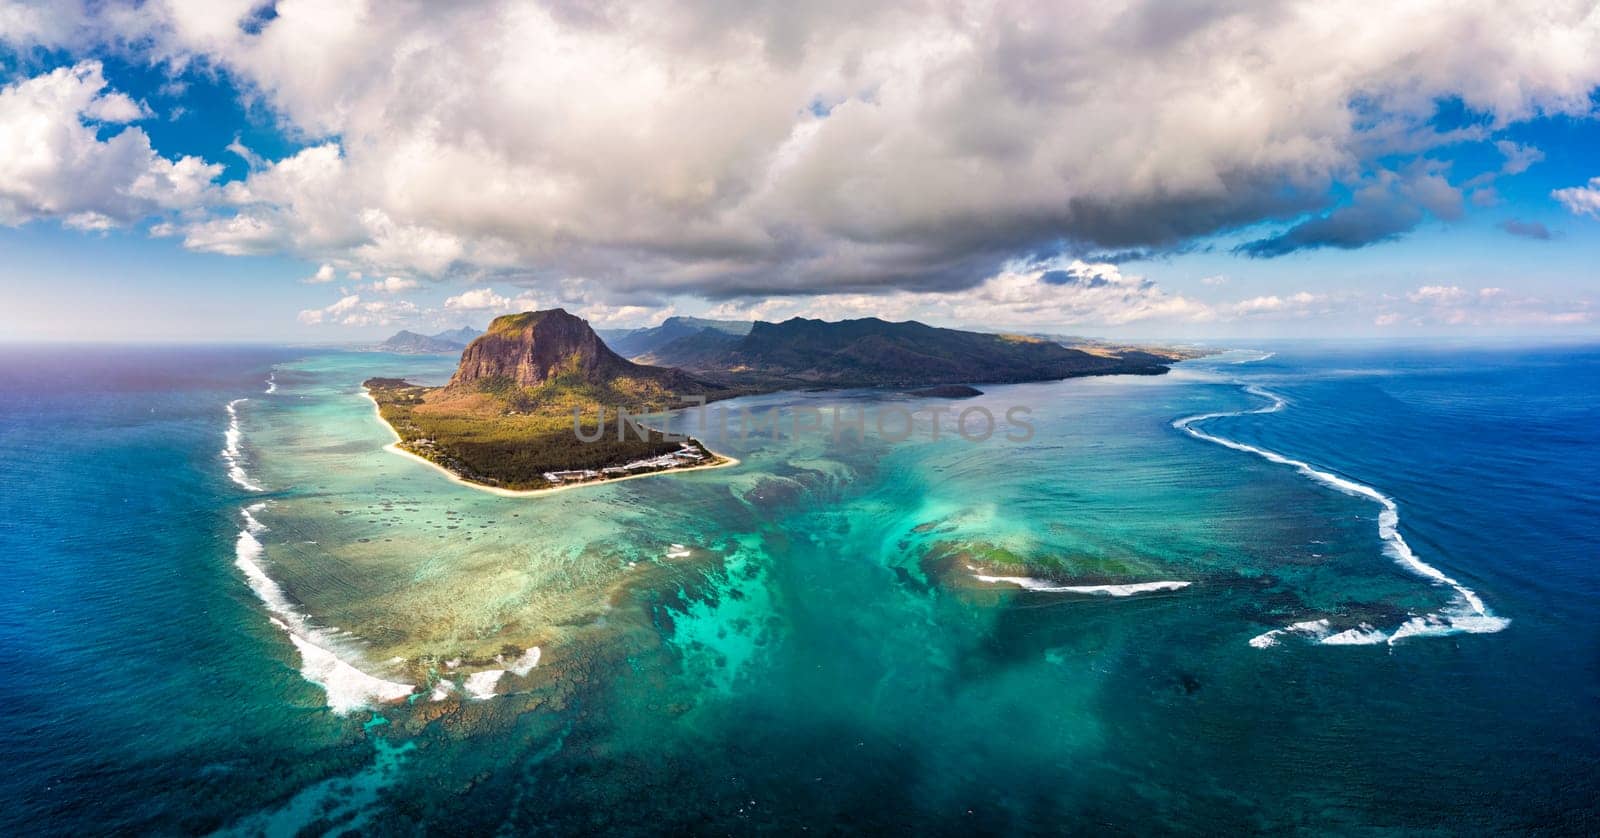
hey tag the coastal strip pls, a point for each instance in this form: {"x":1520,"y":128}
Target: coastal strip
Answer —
{"x":394,"y":447}
{"x":1470,"y":616}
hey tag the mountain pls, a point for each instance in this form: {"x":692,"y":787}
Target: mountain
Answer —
{"x":545,"y":349}
{"x":874,"y":352}
{"x":692,"y":351}
{"x":635,"y":343}
{"x":412,"y":343}
{"x":463,"y":335}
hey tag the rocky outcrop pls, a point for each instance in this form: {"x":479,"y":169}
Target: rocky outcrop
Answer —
{"x":536,"y":348}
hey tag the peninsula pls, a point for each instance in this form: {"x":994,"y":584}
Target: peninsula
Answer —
{"x":505,"y":419}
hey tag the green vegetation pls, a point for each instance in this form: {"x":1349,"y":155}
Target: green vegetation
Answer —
{"x":503,"y":435}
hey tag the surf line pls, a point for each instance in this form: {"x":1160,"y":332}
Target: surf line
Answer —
{"x":233,"y":454}
{"x":1043,"y":586}
{"x":326,"y":658}
{"x":1474,"y":617}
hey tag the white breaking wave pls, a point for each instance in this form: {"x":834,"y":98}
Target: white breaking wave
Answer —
{"x":1045,"y":586}
{"x":525,"y":664}
{"x":348,"y":688}
{"x":1262,"y":357}
{"x":483,"y":684}
{"x":232,"y":453}
{"x":272,"y":383}
{"x":1314,"y":629}
{"x":1362,"y":635}
{"x":1468,"y":615}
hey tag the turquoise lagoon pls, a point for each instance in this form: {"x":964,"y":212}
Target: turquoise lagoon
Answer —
{"x":1116,"y":625}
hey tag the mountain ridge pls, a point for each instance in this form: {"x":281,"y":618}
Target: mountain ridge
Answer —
{"x":872,"y":352}
{"x":408,"y":342}
{"x":537,"y":349}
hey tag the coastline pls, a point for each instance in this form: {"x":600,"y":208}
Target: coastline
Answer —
{"x":394,"y":448}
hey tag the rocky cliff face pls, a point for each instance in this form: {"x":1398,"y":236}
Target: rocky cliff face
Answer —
{"x":536,"y":347}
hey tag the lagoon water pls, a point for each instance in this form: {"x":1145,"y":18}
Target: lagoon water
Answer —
{"x":227,"y":608}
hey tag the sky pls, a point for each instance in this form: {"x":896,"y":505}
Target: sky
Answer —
{"x":338,"y":170}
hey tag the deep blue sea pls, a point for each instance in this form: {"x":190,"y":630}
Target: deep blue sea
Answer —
{"x":808,"y":640}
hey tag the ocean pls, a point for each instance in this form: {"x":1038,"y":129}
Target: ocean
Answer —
{"x":1300,"y":587}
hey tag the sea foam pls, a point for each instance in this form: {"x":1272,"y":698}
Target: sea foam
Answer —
{"x":1467,"y":614}
{"x":482,"y":685}
{"x":348,"y":688}
{"x":1046,"y":586}
{"x":272,"y":383}
{"x":232,"y":454}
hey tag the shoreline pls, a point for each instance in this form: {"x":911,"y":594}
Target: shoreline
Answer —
{"x":394,"y":448}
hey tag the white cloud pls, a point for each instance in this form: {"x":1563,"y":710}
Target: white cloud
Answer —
{"x":478,"y":299}
{"x":1581,"y":200}
{"x":345,"y":305}
{"x":487,"y":299}
{"x":324,"y":274}
{"x":393,"y":285}
{"x":54,"y":165}
{"x":351,"y":310}
{"x":1439,"y":295}
{"x":1452,"y":305}
{"x":1214,"y":280}
{"x":1041,"y":295}
{"x":743,"y":148}
{"x":1299,"y":305}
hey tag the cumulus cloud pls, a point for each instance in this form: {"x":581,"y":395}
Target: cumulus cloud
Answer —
{"x":53,"y":163}
{"x":393,"y":285}
{"x":351,"y":310}
{"x":1581,"y":200}
{"x":488,"y":300}
{"x":737,"y":149}
{"x":478,"y":299}
{"x":324,"y":274}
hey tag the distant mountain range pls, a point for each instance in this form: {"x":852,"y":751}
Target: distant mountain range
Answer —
{"x":641,"y":344}
{"x":412,"y":343}
{"x":799,"y":352}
